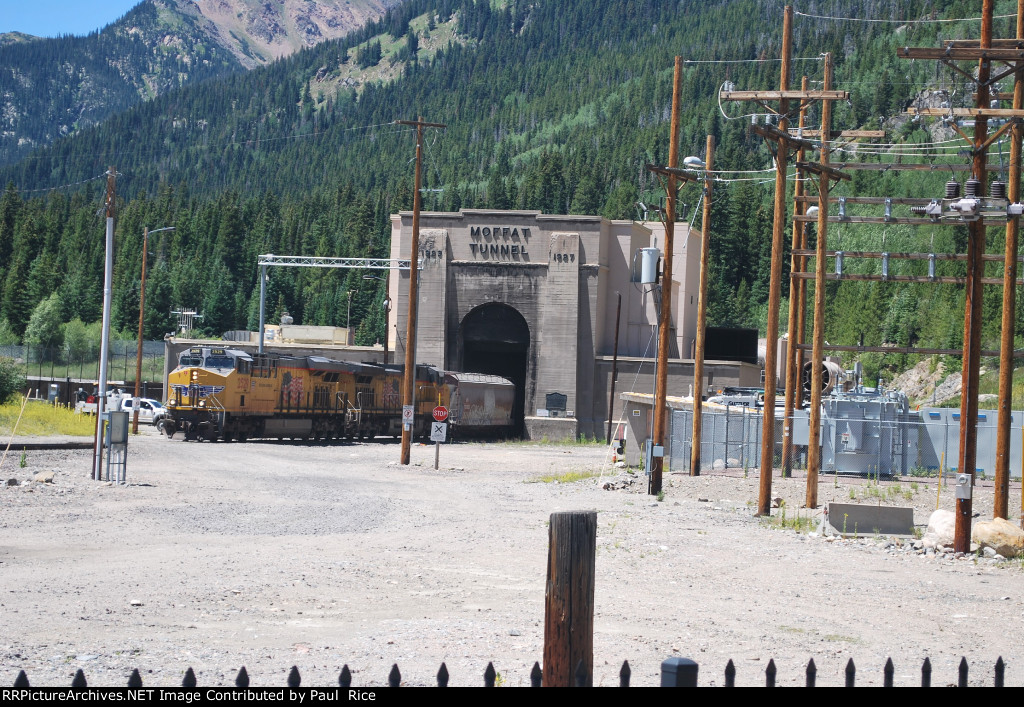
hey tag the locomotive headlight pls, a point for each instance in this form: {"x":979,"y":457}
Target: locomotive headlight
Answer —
{"x":202,"y":403}
{"x":195,"y":375}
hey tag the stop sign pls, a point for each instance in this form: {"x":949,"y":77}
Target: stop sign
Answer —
{"x":440,"y":413}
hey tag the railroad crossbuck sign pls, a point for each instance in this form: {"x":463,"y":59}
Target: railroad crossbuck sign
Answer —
{"x":438,"y":431}
{"x":440,"y":413}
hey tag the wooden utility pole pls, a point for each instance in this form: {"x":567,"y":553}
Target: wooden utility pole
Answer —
{"x":1000,"y":506}
{"x":972,"y":311}
{"x":569,"y":598}
{"x":409,"y":374}
{"x":818,"y":353}
{"x":615,"y":368}
{"x":136,"y":404}
{"x":702,"y":311}
{"x":775,"y":283}
{"x":780,"y":142}
{"x":985,"y":50}
{"x":795,"y":307}
{"x":665,"y":316}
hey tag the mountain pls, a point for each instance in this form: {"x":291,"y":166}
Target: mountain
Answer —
{"x":550,"y":105}
{"x":15,"y":38}
{"x":257,"y":31}
{"x":50,"y":88}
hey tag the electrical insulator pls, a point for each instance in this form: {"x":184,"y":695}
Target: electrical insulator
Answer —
{"x":839,"y":263}
{"x":931,"y":266}
{"x":933,"y":209}
{"x":952,"y":189}
{"x":998,"y":190}
{"x":885,"y":266}
{"x":972,"y":188}
{"x":888,"y":208}
{"x":842,"y":207}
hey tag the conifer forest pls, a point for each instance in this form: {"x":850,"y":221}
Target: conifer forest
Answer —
{"x":551,"y":105}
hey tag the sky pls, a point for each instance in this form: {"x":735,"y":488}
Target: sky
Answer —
{"x":52,"y":18}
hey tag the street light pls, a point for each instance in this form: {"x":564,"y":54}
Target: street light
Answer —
{"x":387,"y":308}
{"x":142,"y":303}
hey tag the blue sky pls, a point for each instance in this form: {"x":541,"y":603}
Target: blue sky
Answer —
{"x":52,"y":18}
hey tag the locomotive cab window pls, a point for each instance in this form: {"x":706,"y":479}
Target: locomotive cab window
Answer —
{"x":219,"y":362}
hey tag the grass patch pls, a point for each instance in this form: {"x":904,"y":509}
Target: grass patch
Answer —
{"x":43,"y":419}
{"x":567,"y":477}
{"x":801,"y":522}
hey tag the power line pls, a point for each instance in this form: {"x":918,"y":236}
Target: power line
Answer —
{"x":249,"y":141}
{"x":747,"y":61}
{"x":897,"y":22}
{"x":64,"y":186}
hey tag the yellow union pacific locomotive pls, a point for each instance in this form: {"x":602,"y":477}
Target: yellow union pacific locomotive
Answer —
{"x":228,"y":394}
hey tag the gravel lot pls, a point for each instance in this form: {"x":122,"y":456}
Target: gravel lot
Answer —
{"x":272,"y":555}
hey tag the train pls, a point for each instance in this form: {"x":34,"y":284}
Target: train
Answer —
{"x":229,"y":395}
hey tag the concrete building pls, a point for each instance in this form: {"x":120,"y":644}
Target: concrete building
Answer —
{"x":532,"y":297}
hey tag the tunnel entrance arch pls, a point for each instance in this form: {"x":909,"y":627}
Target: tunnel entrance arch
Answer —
{"x":494,"y":338}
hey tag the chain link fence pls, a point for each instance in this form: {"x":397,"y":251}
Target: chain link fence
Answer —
{"x":876,"y":439}
{"x":58,"y":364}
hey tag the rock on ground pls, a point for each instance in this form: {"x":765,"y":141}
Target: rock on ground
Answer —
{"x":941,"y":528}
{"x":1001,"y":535}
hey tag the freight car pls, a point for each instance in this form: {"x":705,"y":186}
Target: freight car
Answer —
{"x":228,"y":394}
{"x":479,"y":405}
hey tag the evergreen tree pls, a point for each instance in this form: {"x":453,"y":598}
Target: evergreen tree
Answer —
{"x":44,"y":327}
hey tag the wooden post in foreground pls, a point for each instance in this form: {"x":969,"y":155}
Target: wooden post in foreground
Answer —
{"x":569,"y":598}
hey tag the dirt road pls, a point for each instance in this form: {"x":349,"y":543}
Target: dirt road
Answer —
{"x":272,"y":555}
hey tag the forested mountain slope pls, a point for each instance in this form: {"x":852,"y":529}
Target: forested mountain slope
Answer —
{"x":549,"y":105}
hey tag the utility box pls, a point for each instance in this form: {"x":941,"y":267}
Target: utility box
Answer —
{"x":117,"y":446}
{"x":963,"y":487}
